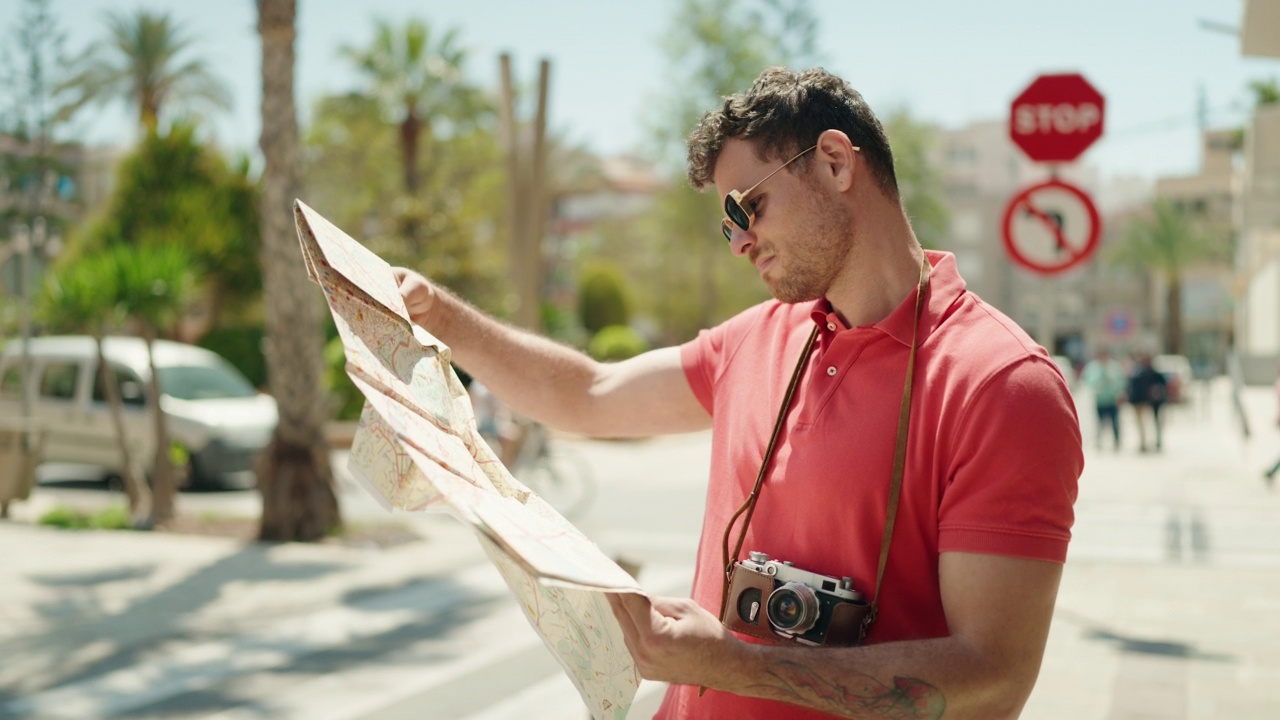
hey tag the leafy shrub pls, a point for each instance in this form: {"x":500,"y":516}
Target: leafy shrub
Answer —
{"x":64,"y":517}
{"x":616,"y":342}
{"x":562,"y":325}
{"x":242,"y":347}
{"x":602,"y":297}
{"x":112,"y":518}
{"x":344,"y":396}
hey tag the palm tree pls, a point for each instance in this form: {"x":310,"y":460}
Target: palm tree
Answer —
{"x":139,"y":62}
{"x":156,"y":284}
{"x":1168,"y":241}
{"x":296,"y":481}
{"x":417,"y":78}
{"x":84,"y":297}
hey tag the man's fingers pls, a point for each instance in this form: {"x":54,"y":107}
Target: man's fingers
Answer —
{"x":621,"y":603}
{"x":631,"y":609}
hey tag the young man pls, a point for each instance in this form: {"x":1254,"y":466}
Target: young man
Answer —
{"x":992,"y":444}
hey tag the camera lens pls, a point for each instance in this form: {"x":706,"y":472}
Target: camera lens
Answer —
{"x":793,"y":608}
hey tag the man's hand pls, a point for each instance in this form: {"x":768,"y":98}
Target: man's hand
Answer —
{"x":675,"y":640}
{"x":418,"y":293}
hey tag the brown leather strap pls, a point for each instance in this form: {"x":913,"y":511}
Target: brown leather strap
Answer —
{"x":749,"y":505}
{"x":899,"y":458}
{"x":900,"y":450}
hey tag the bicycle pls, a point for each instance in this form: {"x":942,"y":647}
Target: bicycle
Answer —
{"x":556,"y":473}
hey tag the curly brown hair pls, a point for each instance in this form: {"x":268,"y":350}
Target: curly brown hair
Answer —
{"x":784,"y":112}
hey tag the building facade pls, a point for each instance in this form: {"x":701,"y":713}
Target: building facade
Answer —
{"x":1257,"y":312}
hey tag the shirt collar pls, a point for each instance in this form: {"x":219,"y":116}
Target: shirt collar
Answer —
{"x":945,"y":286}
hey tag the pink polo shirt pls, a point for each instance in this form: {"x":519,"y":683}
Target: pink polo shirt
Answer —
{"x":993,"y":453}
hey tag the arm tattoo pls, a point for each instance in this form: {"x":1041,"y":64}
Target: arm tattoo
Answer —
{"x":864,"y":697}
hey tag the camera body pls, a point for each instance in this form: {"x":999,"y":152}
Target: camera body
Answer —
{"x":773,"y":599}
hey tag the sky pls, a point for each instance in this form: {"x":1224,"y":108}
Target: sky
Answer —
{"x":947,"y":62}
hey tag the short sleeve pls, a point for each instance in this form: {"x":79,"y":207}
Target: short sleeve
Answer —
{"x":700,"y":359}
{"x":705,"y":357}
{"x":1017,"y":459}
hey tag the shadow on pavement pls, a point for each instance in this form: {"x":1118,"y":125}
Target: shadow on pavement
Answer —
{"x":149,"y":627}
{"x":147,"y":622}
{"x":385,"y":649}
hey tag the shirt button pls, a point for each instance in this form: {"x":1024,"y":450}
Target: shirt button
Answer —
{"x":831,"y":370}
{"x":831,"y":326}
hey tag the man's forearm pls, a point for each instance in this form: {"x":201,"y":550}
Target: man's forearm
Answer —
{"x":910,"y":680}
{"x":536,"y":376}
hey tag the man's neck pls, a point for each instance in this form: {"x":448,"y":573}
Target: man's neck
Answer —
{"x":881,"y":270}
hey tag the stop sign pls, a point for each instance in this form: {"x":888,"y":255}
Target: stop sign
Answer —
{"x":1056,"y":118}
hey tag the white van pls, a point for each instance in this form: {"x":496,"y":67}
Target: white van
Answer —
{"x":213,"y":411}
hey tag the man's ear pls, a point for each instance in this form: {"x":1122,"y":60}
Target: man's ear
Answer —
{"x":837,"y":158}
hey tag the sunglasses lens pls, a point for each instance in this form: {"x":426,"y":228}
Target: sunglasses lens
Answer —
{"x":735,"y":213}
{"x":727,"y":229}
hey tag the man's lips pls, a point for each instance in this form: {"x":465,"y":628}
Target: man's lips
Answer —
{"x":763,"y":263}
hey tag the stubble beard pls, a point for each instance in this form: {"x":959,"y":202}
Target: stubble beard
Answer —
{"x":817,"y":256}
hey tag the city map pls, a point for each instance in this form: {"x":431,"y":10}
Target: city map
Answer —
{"x":417,"y":448}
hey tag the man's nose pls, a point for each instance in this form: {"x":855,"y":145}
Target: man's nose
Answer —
{"x":741,"y":241}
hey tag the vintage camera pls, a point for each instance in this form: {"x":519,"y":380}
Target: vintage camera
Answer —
{"x":771,"y":599}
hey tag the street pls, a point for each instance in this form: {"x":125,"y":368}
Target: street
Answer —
{"x":1169,"y":606}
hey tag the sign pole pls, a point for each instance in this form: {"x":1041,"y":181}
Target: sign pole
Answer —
{"x":1053,"y":226}
{"x":1049,"y":313}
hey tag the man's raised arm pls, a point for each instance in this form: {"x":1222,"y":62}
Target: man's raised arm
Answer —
{"x":552,"y":383}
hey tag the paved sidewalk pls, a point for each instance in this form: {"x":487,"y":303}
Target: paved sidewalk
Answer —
{"x":1169,"y":607}
{"x":96,"y":623}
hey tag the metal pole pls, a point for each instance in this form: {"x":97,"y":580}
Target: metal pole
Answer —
{"x":1049,"y":313}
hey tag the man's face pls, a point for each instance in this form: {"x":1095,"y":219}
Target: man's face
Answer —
{"x":800,"y":238}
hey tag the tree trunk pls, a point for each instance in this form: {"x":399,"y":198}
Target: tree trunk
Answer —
{"x":410,"y":135}
{"x":1173,"y":317}
{"x":134,"y":487}
{"x":164,"y":487}
{"x":294,"y":476}
{"x":410,"y":129}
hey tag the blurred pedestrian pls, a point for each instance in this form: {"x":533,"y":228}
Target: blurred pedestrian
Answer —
{"x":1148,"y":389}
{"x":1106,"y":378}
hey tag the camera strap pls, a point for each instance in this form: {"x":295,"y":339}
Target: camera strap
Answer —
{"x":899,"y":459}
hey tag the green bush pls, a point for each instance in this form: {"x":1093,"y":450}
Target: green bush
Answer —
{"x":562,"y":325}
{"x":242,"y":347}
{"x":602,"y":297}
{"x":345,"y":397}
{"x":616,"y":342}
{"x":112,"y":518}
{"x":65,"y":517}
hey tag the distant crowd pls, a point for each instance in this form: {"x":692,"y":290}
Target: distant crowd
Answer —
{"x":1138,"y":384}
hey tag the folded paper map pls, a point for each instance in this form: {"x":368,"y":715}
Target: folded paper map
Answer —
{"x":417,"y":448}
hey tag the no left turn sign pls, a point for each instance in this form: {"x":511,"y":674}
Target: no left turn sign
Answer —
{"x":1051,"y":227}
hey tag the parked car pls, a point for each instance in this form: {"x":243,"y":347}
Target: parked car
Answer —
{"x":214,"y":413}
{"x":1177,"y":374}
